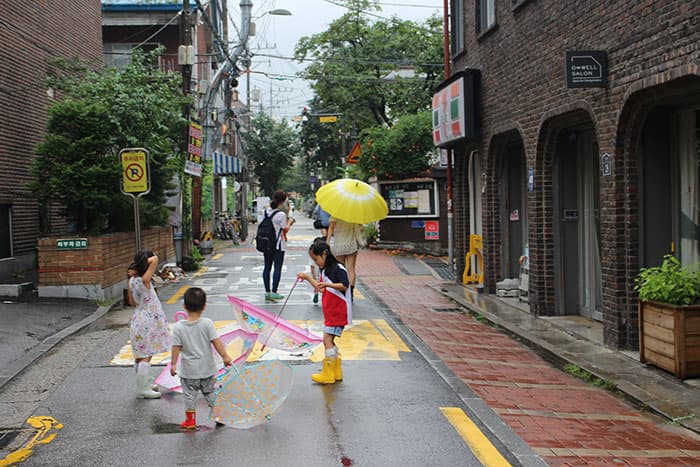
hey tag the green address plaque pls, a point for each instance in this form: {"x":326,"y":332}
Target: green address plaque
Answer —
{"x":72,"y":244}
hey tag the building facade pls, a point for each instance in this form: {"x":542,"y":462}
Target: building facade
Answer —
{"x":31,"y":33}
{"x":595,"y":175}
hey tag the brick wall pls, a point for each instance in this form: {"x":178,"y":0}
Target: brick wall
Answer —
{"x":30,"y":33}
{"x":651,"y":45}
{"x":105,"y":260}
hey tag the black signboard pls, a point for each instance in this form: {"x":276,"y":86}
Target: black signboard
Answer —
{"x":411,"y":198}
{"x":586,"y":69}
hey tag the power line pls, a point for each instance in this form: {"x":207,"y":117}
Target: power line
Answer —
{"x":389,"y":61}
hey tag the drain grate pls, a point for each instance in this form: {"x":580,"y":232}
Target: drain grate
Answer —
{"x":6,"y":437}
{"x":441,"y":268}
{"x":448,"y":310}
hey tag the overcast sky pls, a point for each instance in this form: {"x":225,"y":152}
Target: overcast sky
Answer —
{"x":278,"y":35}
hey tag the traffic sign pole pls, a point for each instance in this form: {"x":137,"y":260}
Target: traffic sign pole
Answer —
{"x":135,"y":182}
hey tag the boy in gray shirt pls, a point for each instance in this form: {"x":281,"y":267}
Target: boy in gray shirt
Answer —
{"x":192,"y":340}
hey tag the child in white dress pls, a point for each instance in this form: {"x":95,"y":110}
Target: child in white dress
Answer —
{"x":148,"y":331}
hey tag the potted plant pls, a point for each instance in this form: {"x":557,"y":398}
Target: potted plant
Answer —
{"x":669,"y":317}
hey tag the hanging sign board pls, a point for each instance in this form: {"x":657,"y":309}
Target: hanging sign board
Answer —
{"x":193,"y":164}
{"x":454,"y":108}
{"x":411,"y":198}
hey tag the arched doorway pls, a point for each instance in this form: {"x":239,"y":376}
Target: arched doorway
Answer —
{"x":576,"y":222}
{"x":669,"y":180}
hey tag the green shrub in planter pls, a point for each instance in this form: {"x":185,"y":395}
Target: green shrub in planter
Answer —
{"x":370,"y":233}
{"x":190,"y":263}
{"x":669,"y":283}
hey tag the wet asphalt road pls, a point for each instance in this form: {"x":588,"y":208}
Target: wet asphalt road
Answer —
{"x":384,"y":413}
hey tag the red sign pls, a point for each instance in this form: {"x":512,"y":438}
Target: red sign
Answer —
{"x":432,"y":230}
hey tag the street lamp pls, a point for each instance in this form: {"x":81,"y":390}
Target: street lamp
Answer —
{"x":275,"y":12}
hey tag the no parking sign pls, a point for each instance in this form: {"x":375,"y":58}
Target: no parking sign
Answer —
{"x":135,"y":176}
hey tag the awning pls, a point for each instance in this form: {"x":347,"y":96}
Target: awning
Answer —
{"x":226,"y":165}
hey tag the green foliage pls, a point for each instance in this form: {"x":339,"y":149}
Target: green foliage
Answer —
{"x":374,"y":71}
{"x":100,"y":113}
{"x":271,"y":146}
{"x":402,"y":151}
{"x":669,"y":283}
{"x":370,"y":233}
{"x":580,"y":373}
{"x":189,"y":263}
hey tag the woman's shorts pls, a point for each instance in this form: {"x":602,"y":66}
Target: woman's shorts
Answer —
{"x":333,"y":330}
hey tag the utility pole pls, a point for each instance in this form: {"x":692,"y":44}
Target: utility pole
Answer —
{"x":184,"y":205}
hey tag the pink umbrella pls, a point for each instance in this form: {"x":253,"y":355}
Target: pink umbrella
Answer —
{"x":272,"y":330}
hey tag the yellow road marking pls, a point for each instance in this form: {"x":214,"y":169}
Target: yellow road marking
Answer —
{"x":365,"y":340}
{"x":200,"y":271}
{"x":479,"y":444}
{"x":217,"y":256}
{"x":43,"y":425}
{"x":177,"y":295}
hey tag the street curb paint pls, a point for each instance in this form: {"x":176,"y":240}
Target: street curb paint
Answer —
{"x":43,"y":425}
{"x":478,"y":443}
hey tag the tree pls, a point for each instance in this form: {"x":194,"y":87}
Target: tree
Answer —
{"x":373,"y":73}
{"x":102,"y":112}
{"x":402,"y":151}
{"x":271,"y":146}
{"x":322,"y":143}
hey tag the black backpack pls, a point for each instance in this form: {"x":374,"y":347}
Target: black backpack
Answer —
{"x":265,"y":238}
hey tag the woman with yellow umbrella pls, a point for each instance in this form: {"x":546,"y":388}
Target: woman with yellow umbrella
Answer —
{"x":350,"y":203}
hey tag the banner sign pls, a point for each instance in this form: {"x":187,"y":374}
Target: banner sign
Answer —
{"x":193,"y":164}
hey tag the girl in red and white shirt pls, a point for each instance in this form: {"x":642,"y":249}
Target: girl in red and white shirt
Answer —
{"x":337,"y":307}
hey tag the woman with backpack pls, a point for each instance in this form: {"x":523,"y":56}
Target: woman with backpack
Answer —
{"x":273,"y":248}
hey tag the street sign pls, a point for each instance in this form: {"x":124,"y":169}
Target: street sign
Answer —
{"x":72,"y":244}
{"x":355,"y":154}
{"x":328,"y":119}
{"x":135,"y":177}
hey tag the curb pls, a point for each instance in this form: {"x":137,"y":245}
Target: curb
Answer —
{"x":628,"y":390}
{"x":483,"y":415}
{"x":47,"y":344}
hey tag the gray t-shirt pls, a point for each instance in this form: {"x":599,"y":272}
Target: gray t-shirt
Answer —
{"x":197,"y":356}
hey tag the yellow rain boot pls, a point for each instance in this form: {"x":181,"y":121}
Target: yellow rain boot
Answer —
{"x":327,"y":374}
{"x":338,"y":370}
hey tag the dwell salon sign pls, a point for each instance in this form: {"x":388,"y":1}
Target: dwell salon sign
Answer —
{"x":586,"y":69}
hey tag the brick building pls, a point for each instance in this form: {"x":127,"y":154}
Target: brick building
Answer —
{"x":31,"y":33}
{"x":596,"y":181}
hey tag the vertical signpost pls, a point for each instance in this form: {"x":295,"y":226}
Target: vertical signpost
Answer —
{"x":135,"y":181}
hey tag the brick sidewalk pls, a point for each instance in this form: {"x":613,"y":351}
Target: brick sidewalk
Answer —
{"x":565,"y":420}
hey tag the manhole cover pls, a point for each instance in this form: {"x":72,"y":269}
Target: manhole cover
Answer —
{"x":6,"y":437}
{"x":448,"y":310}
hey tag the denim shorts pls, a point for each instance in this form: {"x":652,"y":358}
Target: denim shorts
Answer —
{"x":333,"y":330}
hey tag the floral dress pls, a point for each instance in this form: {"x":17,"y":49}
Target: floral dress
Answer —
{"x":149,"y":329}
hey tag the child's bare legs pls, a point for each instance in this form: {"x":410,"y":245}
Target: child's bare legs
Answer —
{"x":349,"y":262}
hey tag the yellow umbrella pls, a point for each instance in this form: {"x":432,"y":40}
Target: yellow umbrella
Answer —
{"x":352,"y":201}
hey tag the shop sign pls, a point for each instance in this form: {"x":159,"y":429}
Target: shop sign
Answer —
{"x":432,"y":230}
{"x":586,"y":69}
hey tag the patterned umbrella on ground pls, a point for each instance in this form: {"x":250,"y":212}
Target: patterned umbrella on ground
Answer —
{"x":250,"y":396}
{"x":238,"y":344}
